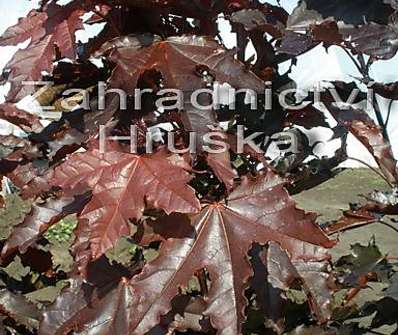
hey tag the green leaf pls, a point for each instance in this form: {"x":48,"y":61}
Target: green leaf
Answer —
{"x":17,"y":270}
{"x":123,"y":253}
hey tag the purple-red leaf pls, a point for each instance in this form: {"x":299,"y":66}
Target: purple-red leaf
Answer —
{"x":81,"y":308}
{"x":313,"y":276}
{"x":20,"y":118}
{"x":52,"y":33}
{"x":375,"y":40}
{"x":388,"y":91}
{"x":123,"y":185}
{"x":27,"y":27}
{"x":180,"y":61}
{"x":258,"y":211}
{"x":370,"y":135}
{"x":220,"y":163}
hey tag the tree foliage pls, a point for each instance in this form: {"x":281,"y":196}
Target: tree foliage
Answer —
{"x":219,"y":244}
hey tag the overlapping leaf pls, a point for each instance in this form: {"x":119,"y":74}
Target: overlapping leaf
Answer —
{"x":221,"y":165}
{"x":17,"y":307}
{"x":354,"y":12}
{"x":182,"y":62}
{"x":41,"y":217}
{"x":388,"y":91}
{"x":364,"y":262}
{"x":123,"y":185}
{"x":52,"y":33}
{"x":23,"y":119}
{"x":296,"y":44}
{"x":374,"y":40}
{"x":224,"y":232}
{"x":379,"y":204}
{"x":108,"y":190}
{"x":370,"y":135}
{"x":354,"y":25}
{"x":313,"y":276}
{"x":186,"y":63}
{"x":83,"y":308}
{"x":256,"y":19}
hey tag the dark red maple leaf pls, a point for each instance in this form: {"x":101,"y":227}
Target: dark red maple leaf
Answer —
{"x":181,"y":62}
{"x":272,"y":22}
{"x":123,"y":185}
{"x":370,"y":135}
{"x":353,"y":218}
{"x":313,"y":276}
{"x":222,"y":168}
{"x":187,"y":63}
{"x":111,"y":191}
{"x":51,"y":31}
{"x":326,"y":32}
{"x":296,"y":44}
{"x":374,"y":40}
{"x":80,"y":307}
{"x":258,"y":211}
{"x":27,"y":27}
{"x":379,"y":204}
{"x":308,"y":117}
{"x":23,"y":119}
{"x":100,"y":304}
{"x":359,"y":28}
{"x":388,"y":91}
{"x":354,"y":13}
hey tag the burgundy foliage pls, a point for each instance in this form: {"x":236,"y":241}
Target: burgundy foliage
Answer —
{"x":203,"y":214}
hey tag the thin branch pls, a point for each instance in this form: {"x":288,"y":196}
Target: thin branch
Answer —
{"x":331,"y":232}
{"x":356,"y":63}
{"x":109,"y":20}
{"x":372,"y":168}
{"x":351,"y":294}
{"x":363,"y":68}
{"x":220,"y":39}
{"x":369,"y":63}
{"x":389,"y":113}
{"x":389,"y":225}
{"x":380,"y":120}
{"x":374,"y":332}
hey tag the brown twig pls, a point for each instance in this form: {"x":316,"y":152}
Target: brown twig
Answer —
{"x":357,"y":65}
{"x":380,"y":120}
{"x":389,"y":225}
{"x":389,"y":113}
{"x":364,"y":68}
{"x":372,"y":168}
{"x":109,"y":20}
